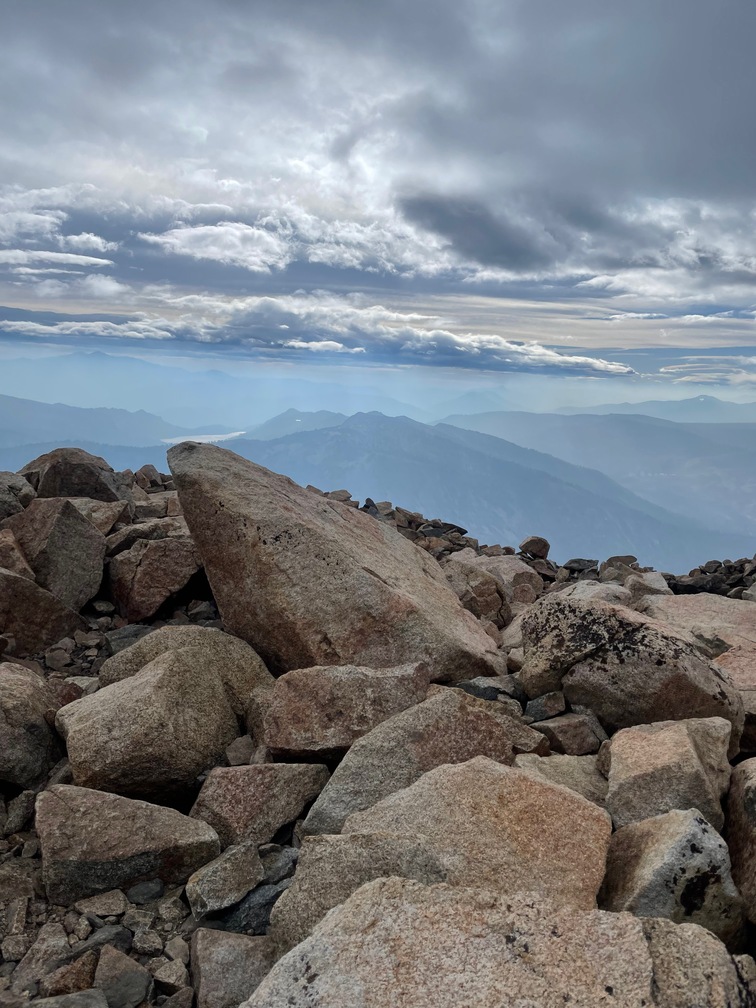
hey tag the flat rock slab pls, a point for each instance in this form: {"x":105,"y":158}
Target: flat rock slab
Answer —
{"x":449,"y":727}
{"x":397,"y":942}
{"x":308,"y":581}
{"x":93,"y":842}
{"x":254,"y":802}
{"x":324,"y":710}
{"x":500,"y":828}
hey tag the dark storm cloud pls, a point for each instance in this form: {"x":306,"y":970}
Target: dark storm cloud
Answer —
{"x":220,"y":150}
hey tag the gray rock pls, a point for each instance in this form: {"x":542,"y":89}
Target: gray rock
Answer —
{"x":227,"y":968}
{"x":741,"y":832}
{"x":225,"y":881}
{"x":675,"y":866}
{"x":80,"y":999}
{"x":15,"y":494}
{"x":252,"y":914}
{"x":122,"y":980}
{"x":572,"y":734}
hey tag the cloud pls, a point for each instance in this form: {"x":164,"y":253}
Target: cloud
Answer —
{"x":588,"y":157}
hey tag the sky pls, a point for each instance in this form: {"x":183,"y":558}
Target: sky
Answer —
{"x":481,"y":187}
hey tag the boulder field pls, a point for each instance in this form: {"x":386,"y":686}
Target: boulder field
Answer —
{"x":262,"y":745}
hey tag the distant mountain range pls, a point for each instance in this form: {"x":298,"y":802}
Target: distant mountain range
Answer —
{"x":706,"y":472}
{"x":699,"y":409}
{"x":498,"y":490}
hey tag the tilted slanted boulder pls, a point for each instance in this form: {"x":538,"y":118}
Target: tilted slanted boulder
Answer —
{"x":578,"y":773}
{"x":623,"y":667}
{"x":64,"y":549}
{"x":33,"y":616}
{"x":152,"y":734}
{"x":676,"y":866}
{"x":330,"y":868}
{"x":93,"y":842}
{"x":669,"y":765}
{"x":28,"y":746}
{"x":499,"y":828}
{"x":73,"y":472}
{"x":308,"y":581}
{"x":713,"y":621}
{"x":450,"y":727}
{"x":322,"y":711}
{"x":398,"y":942}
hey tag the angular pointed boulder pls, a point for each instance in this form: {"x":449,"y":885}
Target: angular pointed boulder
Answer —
{"x":308,"y":581}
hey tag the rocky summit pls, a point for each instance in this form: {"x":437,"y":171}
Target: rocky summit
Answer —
{"x":266,"y":745}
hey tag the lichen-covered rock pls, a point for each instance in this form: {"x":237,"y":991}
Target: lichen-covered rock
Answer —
{"x":676,"y":866}
{"x":339,"y":587}
{"x":623,"y":667}
{"x":397,"y":942}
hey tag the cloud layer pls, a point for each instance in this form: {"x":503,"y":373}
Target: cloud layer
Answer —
{"x":368,"y":176}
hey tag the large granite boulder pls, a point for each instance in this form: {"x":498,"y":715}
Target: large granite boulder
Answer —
{"x":73,"y":472}
{"x":741,"y":832}
{"x":221,"y":654}
{"x":715,"y":622}
{"x":152,"y":734}
{"x":93,"y":842}
{"x":28,"y":747}
{"x":35,"y":618}
{"x":450,"y":727}
{"x":500,"y":828}
{"x":626,"y":669}
{"x":308,"y":581}
{"x":64,"y":549}
{"x":398,"y":942}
